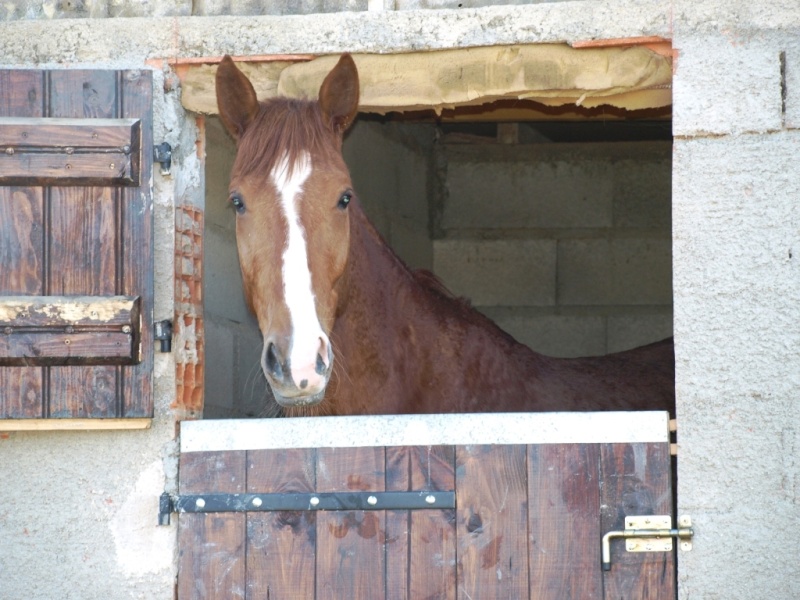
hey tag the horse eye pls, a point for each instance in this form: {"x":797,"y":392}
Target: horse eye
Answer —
{"x":344,"y":200}
{"x":238,"y":203}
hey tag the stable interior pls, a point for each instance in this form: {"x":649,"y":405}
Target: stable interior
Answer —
{"x":554,"y":221}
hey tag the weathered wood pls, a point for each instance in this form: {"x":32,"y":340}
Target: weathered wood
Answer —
{"x":281,"y":545}
{"x":350,"y":552}
{"x":211,"y":560}
{"x":563,"y":509}
{"x":420,"y":545}
{"x":50,"y":312}
{"x":135,"y":243}
{"x":491,"y":483}
{"x":58,"y":330}
{"x":73,"y":424}
{"x":22,"y":248}
{"x":635,"y":480}
{"x":78,"y":240}
{"x":39,"y":168}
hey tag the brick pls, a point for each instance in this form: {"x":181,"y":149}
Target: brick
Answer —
{"x":498,"y":272}
{"x":615,"y":271}
{"x":726,"y":84}
{"x":643,"y":187}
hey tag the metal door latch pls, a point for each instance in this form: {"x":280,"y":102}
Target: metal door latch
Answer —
{"x":649,"y":533}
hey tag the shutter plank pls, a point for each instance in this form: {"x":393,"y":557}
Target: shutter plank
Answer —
{"x":350,"y":552}
{"x":281,"y":545}
{"x":211,"y":562}
{"x":492,"y":504}
{"x":635,"y":480}
{"x":69,"y":151}
{"x":47,"y":330}
{"x":83,"y":245}
{"x":420,"y":544}
{"x":563,"y":508}
{"x":22,"y":392}
{"x":136,"y":247}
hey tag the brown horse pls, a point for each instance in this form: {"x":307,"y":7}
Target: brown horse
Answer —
{"x":347,"y":327}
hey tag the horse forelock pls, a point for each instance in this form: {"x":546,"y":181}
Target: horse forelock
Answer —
{"x":285,"y":129}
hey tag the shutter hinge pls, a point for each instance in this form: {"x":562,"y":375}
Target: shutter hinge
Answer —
{"x":162,"y":154}
{"x":649,"y":533}
{"x":163,"y":334}
{"x":303,"y":501}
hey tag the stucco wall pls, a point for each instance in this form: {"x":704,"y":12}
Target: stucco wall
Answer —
{"x":736,"y":280}
{"x":736,"y":234}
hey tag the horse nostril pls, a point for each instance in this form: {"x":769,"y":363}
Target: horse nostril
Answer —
{"x":273,"y":362}
{"x":320,"y":367}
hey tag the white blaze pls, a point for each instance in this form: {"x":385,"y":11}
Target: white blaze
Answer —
{"x":307,"y":334}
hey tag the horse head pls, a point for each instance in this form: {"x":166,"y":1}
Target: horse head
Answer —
{"x":290,"y":190}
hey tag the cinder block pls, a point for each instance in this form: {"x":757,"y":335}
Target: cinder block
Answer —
{"x":149,"y":8}
{"x":252,"y":389}
{"x":498,"y":272}
{"x":792,"y":81}
{"x":726,"y":84}
{"x":616,"y":271}
{"x":528,"y":186}
{"x":557,"y":335}
{"x":643,"y":187}
{"x":220,"y":367}
{"x":630,"y":331}
{"x":274,"y":7}
{"x":411,"y":241}
{"x":222,"y":278}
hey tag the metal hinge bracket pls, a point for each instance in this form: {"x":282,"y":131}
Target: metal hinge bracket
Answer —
{"x":649,"y":533}
{"x":303,"y":501}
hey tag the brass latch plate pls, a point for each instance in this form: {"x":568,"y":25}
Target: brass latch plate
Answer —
{"x":649,"y":533}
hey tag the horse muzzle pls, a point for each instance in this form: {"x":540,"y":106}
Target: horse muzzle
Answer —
{"x":302,"y":383}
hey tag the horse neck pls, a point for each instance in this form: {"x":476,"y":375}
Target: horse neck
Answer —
{"x":393,"y":334}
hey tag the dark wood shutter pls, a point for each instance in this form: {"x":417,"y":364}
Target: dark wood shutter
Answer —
{"x":76,"y":272}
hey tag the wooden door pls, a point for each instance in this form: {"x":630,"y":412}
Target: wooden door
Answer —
{"x":76,"y":283}
{"x":526,"y":522}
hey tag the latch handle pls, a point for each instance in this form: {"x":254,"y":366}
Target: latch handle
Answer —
{"x":661,"y":527}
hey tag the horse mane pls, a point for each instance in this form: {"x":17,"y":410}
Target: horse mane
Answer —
{"x":283,"y":129}
{"x":429,"y":280}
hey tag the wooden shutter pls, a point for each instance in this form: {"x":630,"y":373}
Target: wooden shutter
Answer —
{"x":76,"y":264}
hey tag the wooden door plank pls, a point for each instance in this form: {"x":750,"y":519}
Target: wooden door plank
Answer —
{"x":492,"y":531}
{"x":21,"y":254}
{"x":350,"y":544}
{"x":83,"y":248}
{"x":281,"y":545}
{"x":211,"y":557}
{"x":420,"y":544}
{"x":135,"y":213}
{"x":563,"y":505}
{"x":636,"y":480}
{"x":21,"y":246}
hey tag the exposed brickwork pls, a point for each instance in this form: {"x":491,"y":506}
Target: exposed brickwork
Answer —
{"x":188,"y":332}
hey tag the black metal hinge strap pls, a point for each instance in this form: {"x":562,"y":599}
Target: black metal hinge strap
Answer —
{"x":305,"y":501}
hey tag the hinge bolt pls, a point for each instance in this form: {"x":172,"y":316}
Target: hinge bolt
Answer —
{"x":257,"y":502}
{"x":372,"y":500}
{"x":314,"y":501}
{"x":431,"y":499}
{"x":200,"y":503}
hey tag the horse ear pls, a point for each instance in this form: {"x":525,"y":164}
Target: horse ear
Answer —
{"x":236,"y":98}
{"x":338,"y":96}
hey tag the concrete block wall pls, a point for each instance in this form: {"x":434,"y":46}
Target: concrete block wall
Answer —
{"x":566,"y":246}
{"x":736,"y":203}
{"x":234,"y":384}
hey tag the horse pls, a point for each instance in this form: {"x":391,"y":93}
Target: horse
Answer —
{"x":347,"y":327}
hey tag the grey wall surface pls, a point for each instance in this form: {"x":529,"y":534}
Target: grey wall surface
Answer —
{"x":736,"y":279}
